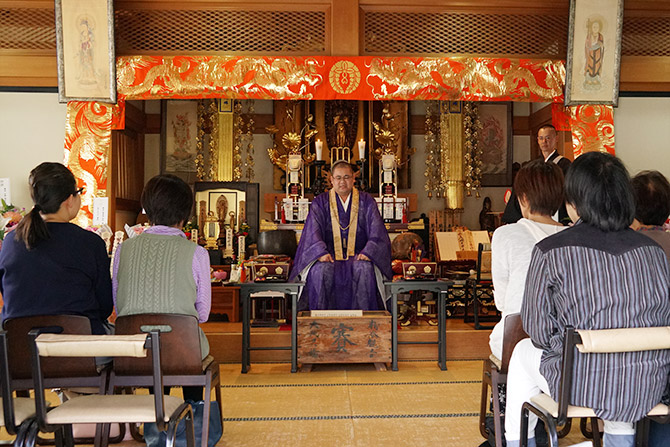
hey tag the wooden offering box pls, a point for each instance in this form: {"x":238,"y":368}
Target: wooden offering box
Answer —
{"x":344,"y":339}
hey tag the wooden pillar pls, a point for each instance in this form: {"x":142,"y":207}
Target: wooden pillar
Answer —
{"x":344,"y":27}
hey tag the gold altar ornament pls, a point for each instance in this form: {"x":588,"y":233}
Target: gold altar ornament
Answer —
{"x":211,"y":231}
{"x":291,"y":142}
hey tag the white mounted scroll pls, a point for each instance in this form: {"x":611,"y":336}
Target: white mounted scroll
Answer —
{"x":100,"y":210}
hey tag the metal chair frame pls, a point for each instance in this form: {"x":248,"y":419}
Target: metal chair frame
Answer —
{"x":9,"y":421}
{"x":63,"y":432}
{"x":571,"y":339}
{"x":181,"y":364}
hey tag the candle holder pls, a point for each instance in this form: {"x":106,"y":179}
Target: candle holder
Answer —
{"x":319,"y":184}
{"x":361,"y":182}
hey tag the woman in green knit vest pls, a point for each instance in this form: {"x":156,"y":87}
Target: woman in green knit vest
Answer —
{"x":160,"y":271}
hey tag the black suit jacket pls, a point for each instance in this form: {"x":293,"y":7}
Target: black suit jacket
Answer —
{"x":513,"y":210}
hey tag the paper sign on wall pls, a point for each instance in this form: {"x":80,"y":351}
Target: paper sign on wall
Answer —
{"x":5,"y":193}
{"x":100,"y":210}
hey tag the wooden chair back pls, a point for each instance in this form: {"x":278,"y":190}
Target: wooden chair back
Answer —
{"x":19,"y":349}
{"x":180,"y":344}
{"x":512,"y":335}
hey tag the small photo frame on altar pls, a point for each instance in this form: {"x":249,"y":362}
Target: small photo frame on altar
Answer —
{"x":495,"y":143}
{"x":85,"y":49}
{"x":594,"y":52}
{"x":179,"y":135}
{"x":231,"y":203}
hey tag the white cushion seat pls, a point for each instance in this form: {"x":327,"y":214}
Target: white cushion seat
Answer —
{"x":24,"y":408}
{"x":110,"y":409}
{"x":551,"y":406}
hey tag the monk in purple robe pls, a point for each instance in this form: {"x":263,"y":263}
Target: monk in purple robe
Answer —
{"x":344,"y":252}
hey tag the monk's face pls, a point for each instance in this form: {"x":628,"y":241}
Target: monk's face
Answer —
{"x":343,"y":180}
{"x":547,"y":140}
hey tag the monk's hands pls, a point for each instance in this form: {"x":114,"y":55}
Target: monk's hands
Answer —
{"x":326,"y":258}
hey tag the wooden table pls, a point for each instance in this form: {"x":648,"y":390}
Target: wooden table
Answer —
{"x":246,"y":289}
{"x":226,"y":300}
{"x":393,"y":288}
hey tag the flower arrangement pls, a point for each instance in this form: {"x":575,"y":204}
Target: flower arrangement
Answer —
{"x":243,"y":230}
{"x":10,"y":216}
{"x":189,"y":227}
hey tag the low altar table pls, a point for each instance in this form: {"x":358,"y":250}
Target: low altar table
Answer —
{"x":246,"y":289}
{"x":441,"y":287}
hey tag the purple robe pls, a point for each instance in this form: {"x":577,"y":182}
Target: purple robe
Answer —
{"x":347,"y":284}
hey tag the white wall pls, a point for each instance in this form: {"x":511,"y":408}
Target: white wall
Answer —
{"x":642,"y":134}
{"x":32,"y":130}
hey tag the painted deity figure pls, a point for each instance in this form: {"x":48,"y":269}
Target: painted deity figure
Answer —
{"x":182,"y":136}
{"x":594,"y":53}
{"x":86,"y":53}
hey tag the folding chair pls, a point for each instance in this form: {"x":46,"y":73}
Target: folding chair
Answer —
{"x":17,"y":414}
{"x":58,"y":373}
{"x":181,"y":362}
{"x":166,"y":411}
{"x":590,"y":342}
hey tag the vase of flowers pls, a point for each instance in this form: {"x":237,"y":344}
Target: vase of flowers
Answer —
{"x":10,"y":216}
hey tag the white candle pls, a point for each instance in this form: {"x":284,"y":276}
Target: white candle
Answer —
{"x":318,"y":144}
{"x":361,"y":149}
{"x":229,"y":239}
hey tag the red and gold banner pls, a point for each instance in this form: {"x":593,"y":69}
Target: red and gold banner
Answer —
{"x":89,"y":125}
{"x":119,"y":115}
{"x":560,"y":117}
{"x":325,"y":77}
{"x":592,"y":129}
{"x":88,"y":137}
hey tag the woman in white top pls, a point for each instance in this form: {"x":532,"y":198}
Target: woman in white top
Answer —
{"x":539,"y":187}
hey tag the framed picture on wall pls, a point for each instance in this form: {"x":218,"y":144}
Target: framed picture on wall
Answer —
{"x":179,"y":135}
{"x":495,"y":143}
{"x":594,"y":52}
{"x":85,"y":49}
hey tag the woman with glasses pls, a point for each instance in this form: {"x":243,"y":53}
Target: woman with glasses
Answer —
{"x":49,"y":266}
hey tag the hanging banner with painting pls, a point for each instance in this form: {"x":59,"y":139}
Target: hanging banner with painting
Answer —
{"x":495,"y":143}
{"x":594,"y":52}
{"x":85,"y":48}
{"x":179,"y":136}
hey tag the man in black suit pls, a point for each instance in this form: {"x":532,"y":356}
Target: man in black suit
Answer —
{"x":547,"y":138}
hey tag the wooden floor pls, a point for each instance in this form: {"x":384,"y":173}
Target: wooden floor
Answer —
{"x":463,"y":342}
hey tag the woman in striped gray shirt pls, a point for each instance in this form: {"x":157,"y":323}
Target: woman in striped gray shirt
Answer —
{"x":599,"y":274}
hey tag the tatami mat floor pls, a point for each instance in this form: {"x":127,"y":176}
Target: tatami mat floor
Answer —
{"x":353,"y":405}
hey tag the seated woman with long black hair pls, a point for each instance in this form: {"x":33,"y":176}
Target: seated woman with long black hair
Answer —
{"x":49,"y":266}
